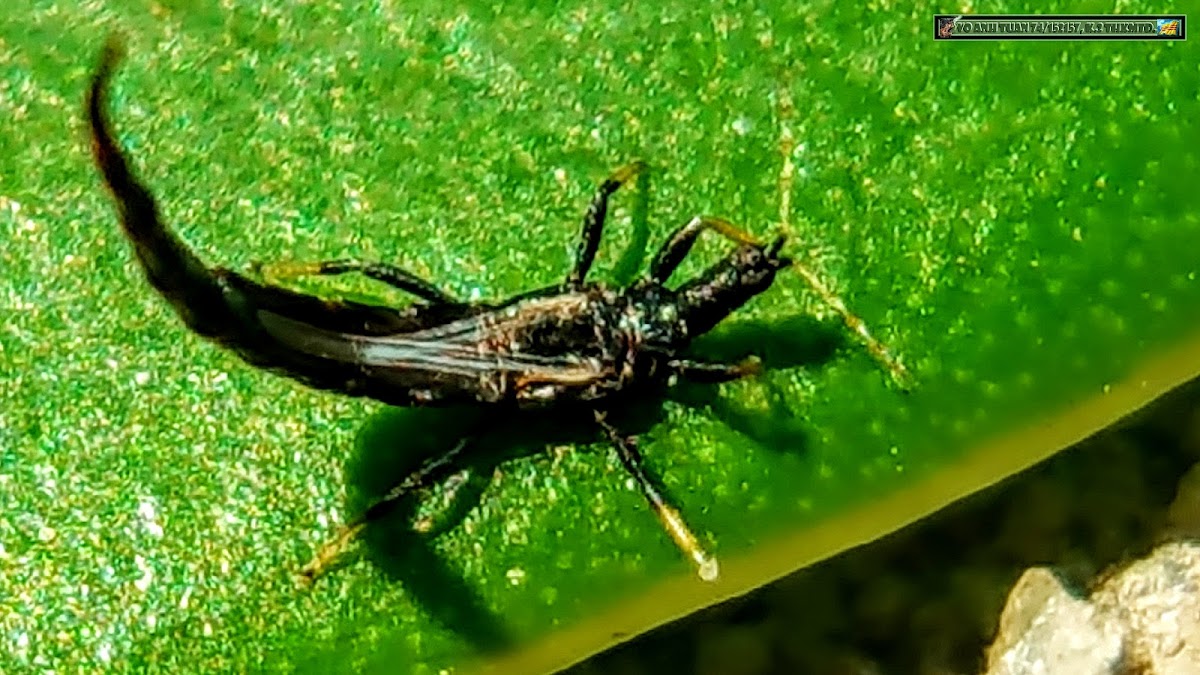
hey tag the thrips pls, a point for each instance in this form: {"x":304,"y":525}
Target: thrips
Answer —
{"x":578,"y":343}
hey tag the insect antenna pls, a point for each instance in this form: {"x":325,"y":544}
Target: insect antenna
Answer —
{"x":787,"y":176}
{"x":681,"y":242}
{"x":856,"y":325}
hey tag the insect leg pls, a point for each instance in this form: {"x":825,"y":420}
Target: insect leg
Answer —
{"x":713,"y":373}
{"x":593,"y":221}
{"x":706,"y":565}
{"x":681,"y":240}
{"x":388,"y":274}
{"x":432,"y":470}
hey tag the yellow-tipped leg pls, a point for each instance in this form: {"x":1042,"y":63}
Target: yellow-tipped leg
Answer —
{"x":699,"y":371}
{"x":433,"y":469}
{"x":706,"y":565}
{"x":623,"y":174}
{"x":277,"y":272}
{"x":677,"y":246}
{"x":274,"y":273}
{"x":330,"y":552}
{"x":751,"y":366}
{"x":593,"y":221}
{"x":723,"y":227}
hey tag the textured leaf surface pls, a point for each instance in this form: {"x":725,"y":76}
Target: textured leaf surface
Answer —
{"x":1017,"y":220}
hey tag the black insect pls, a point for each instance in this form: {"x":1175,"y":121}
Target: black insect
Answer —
{"x":578,"y":343}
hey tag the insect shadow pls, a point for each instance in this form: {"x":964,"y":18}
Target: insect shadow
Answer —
{"x":396,"y":440}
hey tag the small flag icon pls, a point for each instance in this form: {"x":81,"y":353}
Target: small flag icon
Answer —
{"x":1168,"y":26}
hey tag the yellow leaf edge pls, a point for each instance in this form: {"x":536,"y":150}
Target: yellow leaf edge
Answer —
{"x":989,"y":463}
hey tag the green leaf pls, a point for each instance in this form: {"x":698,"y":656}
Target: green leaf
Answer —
{"x":1016,"y":220}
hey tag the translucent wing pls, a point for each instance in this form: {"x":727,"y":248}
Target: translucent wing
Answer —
{"x":456,"y":347}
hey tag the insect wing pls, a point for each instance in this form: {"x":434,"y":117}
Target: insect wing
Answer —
{"x":456,"y":348}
